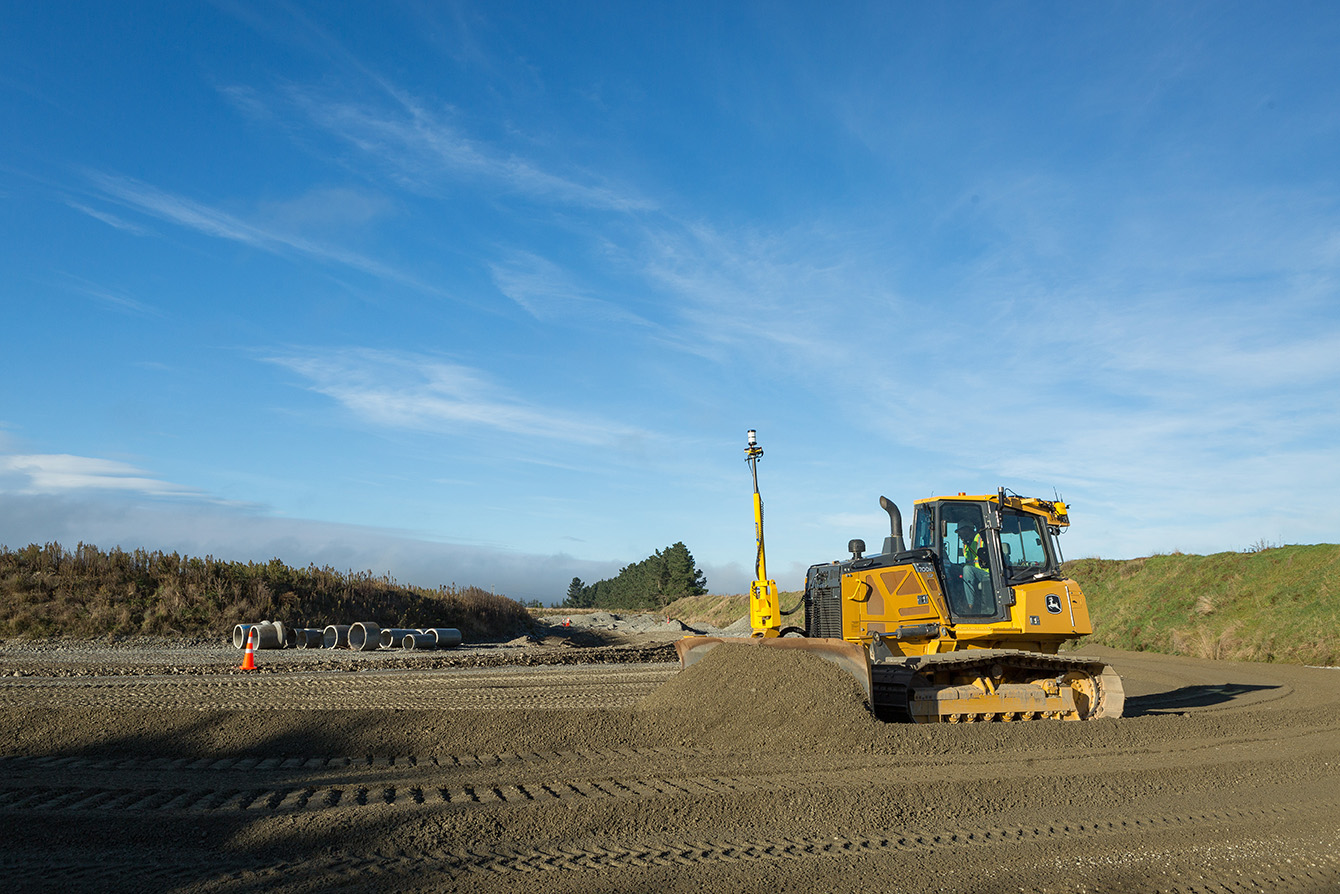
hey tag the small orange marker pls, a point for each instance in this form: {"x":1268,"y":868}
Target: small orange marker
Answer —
{"x":249,"y":659}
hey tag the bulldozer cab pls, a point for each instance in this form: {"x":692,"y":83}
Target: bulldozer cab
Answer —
{"x":984,"y":550}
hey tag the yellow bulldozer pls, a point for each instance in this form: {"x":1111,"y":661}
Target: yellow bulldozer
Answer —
{"x":965,"y":625}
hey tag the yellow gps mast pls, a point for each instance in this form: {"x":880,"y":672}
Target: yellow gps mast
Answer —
{"x":765,"y":607}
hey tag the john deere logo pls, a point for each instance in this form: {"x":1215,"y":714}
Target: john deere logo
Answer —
{"x":1053,"y":603}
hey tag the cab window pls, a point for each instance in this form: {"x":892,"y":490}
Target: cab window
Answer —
{"x":964,"y":553}
{"x":923,"y":532}
{"x":1023,"y":541}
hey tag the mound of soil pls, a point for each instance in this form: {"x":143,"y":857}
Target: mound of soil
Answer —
{"x":738,"y":696}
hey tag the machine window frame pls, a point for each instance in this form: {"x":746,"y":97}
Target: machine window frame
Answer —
{"x":952,"y":568}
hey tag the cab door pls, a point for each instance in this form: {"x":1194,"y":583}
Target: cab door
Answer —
{"x":967,"y":540}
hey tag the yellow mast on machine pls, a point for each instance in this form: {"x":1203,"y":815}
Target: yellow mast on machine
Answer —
{"x":765,"y":607}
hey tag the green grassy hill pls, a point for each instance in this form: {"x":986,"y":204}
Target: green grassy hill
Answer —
{"x":1280,"y":604}
{"x":50,"y":591}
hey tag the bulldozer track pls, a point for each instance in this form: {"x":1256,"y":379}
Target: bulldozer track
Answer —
{"x":520,"y":860}
{"x":892,"y":682}
{"x":455,"y":864}
{"x":75,"y":762}
{"x":298,"y":797}
{"x":595,"y":686}
{"x":286,"y":784}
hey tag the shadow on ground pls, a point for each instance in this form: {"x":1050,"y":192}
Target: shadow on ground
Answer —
{"x":1177,"y":701}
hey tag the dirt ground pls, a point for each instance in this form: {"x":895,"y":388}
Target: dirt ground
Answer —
{"x":574,"y":763}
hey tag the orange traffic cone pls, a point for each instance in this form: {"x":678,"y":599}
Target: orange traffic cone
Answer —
{"x":567,"y":622}
{"x":249,"y":659}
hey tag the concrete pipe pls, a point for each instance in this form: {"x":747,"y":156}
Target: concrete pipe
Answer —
{"x":240,"y":634}
{"x":393,"y":637}
{"x":267,"y":635}
{"x":444,"y":637}
{"x":285,"y":635}
{"x":416,"y":641}
{"x":309,"y":637}
{"x":336,"y":636}
{"x":364,"y":636}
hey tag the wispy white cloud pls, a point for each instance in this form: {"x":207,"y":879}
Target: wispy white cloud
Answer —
{"x":326,"y":208}
{"x":549,"y":293}
{"x":108,"y":218}
{"x":56,"y":473}
{"x":412,"y":391}
{"x":423,"y":151}
{"x":110,"y":297}
{"x":786,"y":294}
{"x":220,"y":224}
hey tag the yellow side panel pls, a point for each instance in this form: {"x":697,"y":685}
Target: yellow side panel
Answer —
{"x":882,"y":599}
{"x":1051,"y":608}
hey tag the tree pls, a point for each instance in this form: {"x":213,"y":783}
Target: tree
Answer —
{"x":653,"y":583}
{"x":682,"y":576}
{"x":579,"y":595}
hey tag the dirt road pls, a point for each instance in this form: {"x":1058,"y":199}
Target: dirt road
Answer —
{"x":737,"y":775}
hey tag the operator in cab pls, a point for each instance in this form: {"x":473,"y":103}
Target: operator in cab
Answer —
{"x":976,"y":572}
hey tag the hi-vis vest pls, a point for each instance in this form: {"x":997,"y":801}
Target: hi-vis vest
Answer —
{"x":974,"y":551}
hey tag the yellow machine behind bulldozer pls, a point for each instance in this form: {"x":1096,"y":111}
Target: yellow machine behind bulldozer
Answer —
{"x":964,"y":625}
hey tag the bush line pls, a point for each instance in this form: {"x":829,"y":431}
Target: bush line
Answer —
{"x":48,"y":591}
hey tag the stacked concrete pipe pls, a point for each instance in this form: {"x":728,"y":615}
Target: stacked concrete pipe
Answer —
{"x":444,"y":637}
{"x":269,"y":635}
{"x":394,"y":637}
{"x":364,"y":636}
{"x":415,"y":641}
{"x":308,"y":638}
{"x":240,"y":635}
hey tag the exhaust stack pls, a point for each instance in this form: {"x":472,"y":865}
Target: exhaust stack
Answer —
{"x":895,"y":543}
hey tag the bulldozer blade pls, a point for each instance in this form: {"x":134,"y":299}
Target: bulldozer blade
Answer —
{"x":848,"y":656}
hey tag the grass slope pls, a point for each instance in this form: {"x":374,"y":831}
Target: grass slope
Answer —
{"x":1278,"y":604}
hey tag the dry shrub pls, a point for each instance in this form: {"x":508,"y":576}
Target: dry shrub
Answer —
{"x":1132,"y":567}
{"x":46,"y":591}
{"x":1203,"y":642}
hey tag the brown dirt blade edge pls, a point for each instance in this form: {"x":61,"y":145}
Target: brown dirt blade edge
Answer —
{"x":848,"y":656}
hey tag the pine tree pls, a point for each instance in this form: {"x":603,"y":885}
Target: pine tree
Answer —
{"x":683,"y":577}
{"x":653,"y":583}
{"x":578,"y":594}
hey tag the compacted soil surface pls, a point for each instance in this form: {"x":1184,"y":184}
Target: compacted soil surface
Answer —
{"x":562,"y":767}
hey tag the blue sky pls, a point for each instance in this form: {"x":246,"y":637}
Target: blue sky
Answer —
{"x":489,"y":293}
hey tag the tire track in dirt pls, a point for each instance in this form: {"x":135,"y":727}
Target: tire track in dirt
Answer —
{"x":408,"y":781}
{"x":598,"y":686}
{"x":510,"y":859}
{"x":460,"y":864}
{"x":79,"y":762}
